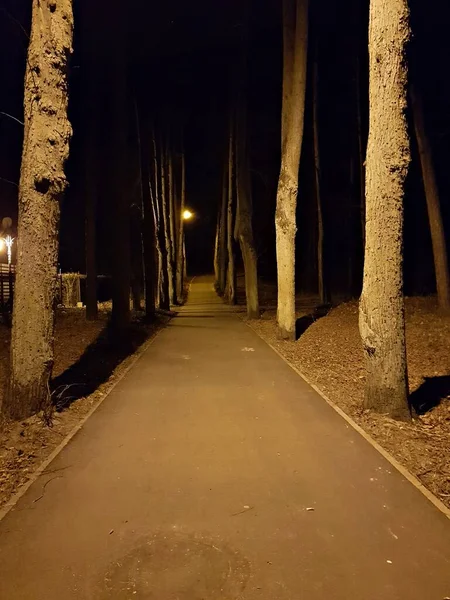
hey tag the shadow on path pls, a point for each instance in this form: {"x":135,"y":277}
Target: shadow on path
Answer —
{"x":98,"y":362}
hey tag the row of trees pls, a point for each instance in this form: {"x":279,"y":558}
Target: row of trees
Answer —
{"x":147,"y":234}
{"x":383,"y":174}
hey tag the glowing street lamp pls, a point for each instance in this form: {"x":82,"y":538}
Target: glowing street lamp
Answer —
{"x":187,"y":215}
{"x":8,"y":242}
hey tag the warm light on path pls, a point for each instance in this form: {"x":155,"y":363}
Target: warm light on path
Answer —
{"x":187,"y":215}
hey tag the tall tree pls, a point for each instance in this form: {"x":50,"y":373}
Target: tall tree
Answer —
{"x":230,"y":292}
{"x":159,"y":211}
{"x":180,"y":245}
{"x":47,"y":135}
{"x":433,"y":203}
{"x":117,"y":179}
{"x":381,"y":312}
{"x":244,"y":204}
{"x":295,"y":50}
{"x":165,"y":228}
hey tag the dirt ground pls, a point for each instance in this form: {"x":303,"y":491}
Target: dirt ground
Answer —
{"x":87,"y":364}
{"x":329,"y":354}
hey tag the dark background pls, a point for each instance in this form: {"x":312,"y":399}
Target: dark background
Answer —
{"x":182,"y":59}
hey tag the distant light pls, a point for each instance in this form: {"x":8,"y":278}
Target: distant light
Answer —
{"x":187,"y":215}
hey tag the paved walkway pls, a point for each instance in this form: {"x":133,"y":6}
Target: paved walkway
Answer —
{"x":212,"y":471}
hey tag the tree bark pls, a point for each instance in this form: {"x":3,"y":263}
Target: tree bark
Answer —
{"x":167,"y":287}
{"x":293,"y":111}
{"x":149,"y":225}
{"x":160,"y":275}
{"x":381,"y":313}
{"x":171,"y":224}
{"x":231,"y":269}
{"x":223,"y":234}
{"x":244,"y":208}
{"x":433,"y":204}
{"x":320,"y":228}
{"x":47,"y":134}
{"x":118,"y":170}
{"x":180,"y":245}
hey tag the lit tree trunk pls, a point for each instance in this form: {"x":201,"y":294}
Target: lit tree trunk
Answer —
{"x":244,"y":210}
{"x":381,"y":313}
{"x":180,"y":245}
{"x":295,"y":15}
{"x":47,"y":135}
{"x":165,"y":229}
{"x":171,"y":223}
{"x":320,"y":228}
{"x":160,"y":275}
{"x":433,"y":204}
{"x":231,"y":269}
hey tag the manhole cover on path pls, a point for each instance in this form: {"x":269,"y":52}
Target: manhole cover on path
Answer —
{"x":172,"y":566}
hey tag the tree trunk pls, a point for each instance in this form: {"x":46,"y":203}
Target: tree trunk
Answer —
{"x":149,"y":225}
{"x":231,"y":269}
{"x":223,"y":235}
{"x":381,"y":313}
{"x":167,"y":287}
{"x":216,"y":252}
{"x":180,"y":245}
{"x":172,"y":223}
{"x":117,"y":182}
{"x":160,"y":275}
{"x":433,"y":204}
{"x":320,"y":229}
{"x":293,"y":111}
{"x":47,"y":135}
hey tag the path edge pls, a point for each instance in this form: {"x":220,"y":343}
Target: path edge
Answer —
{"x":12,"y":502}
{"x":393,"y":461}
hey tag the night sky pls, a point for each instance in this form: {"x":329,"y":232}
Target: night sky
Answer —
{"x":182,"y":58}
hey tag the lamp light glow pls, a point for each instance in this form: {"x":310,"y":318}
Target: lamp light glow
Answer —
{"x":187,"y":214}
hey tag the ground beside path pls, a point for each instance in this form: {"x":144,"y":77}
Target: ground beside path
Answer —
{"x":212,"y":471}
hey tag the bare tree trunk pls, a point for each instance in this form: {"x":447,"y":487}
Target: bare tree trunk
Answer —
{"x":381,"y":313}
{"x":320,"y":228}
{"x":433,"y":204}
{"x":148,"y":218}
{"x":47,"y":135}
{"x":293,"y":111}
{"x":159,"y":230}
{"x":231,"y":269}
{"x":180,"y":245}
{"x":171,"y":223}
{"x":118,"y":171}
{"x":244,"y":209}
{"x":223,"y":235}
{"x":165,"y":229}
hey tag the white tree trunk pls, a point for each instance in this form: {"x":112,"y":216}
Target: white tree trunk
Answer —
{"x":47,"y":135}
{"x":294,"y":87}
{"x":381,"y":316}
